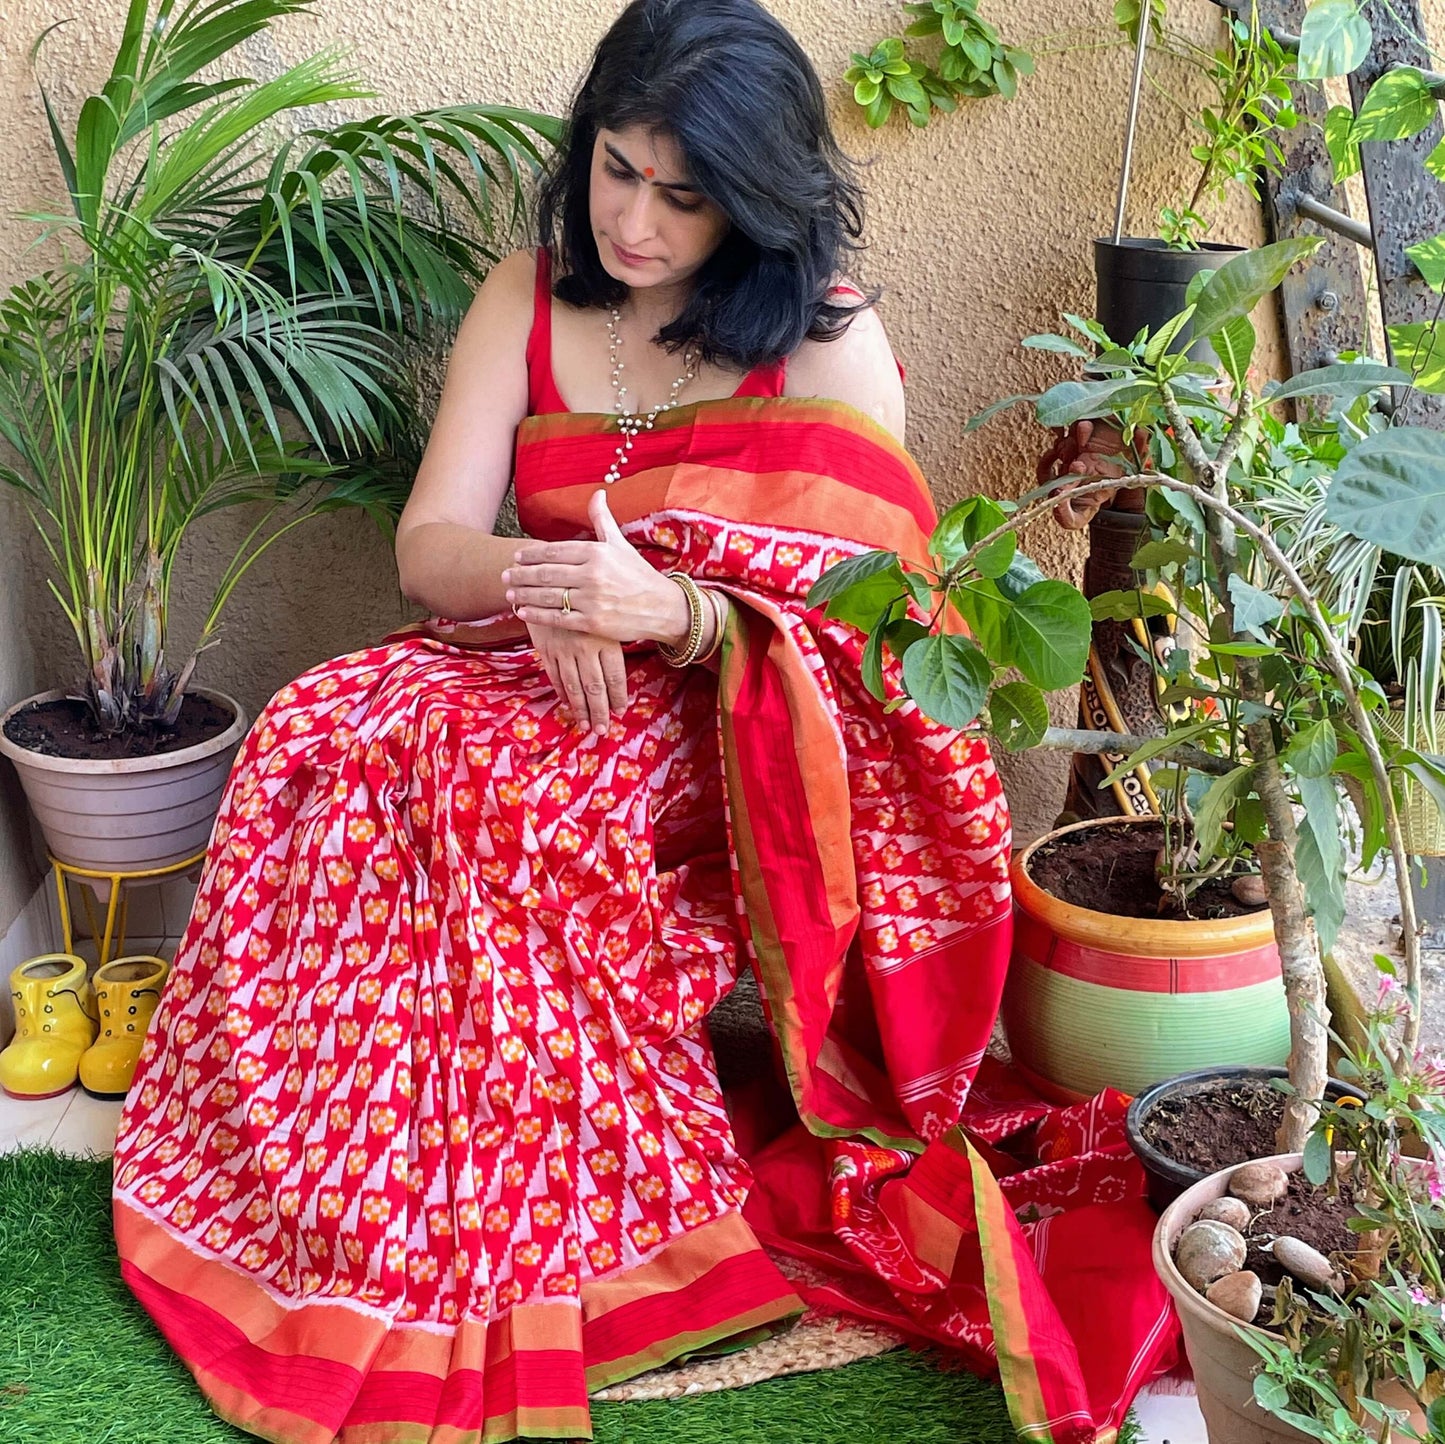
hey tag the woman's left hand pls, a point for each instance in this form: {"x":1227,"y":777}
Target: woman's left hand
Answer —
{"x":610,"y":590}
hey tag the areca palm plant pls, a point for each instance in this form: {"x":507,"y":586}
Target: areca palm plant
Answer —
{"x":226,"y":320}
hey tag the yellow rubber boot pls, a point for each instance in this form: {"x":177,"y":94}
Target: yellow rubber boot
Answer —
{"x":54,"y":1025}
{"x":128,"y":992}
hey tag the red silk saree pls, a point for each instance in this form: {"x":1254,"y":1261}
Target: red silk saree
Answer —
{"x":427,"y":1141}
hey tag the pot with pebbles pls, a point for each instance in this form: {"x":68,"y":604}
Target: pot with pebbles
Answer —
{"x":1222,"y":1249}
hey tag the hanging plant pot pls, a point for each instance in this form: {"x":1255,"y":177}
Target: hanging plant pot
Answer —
{"x":126,"y":814}
{"x":1097,"y":1000}
{"x":1141,"y":281}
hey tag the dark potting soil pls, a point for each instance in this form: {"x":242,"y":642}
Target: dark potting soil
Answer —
{"x":64,"y":728}
{"x":1216,"y":1124}
{"x":1111,"y":870}
{"x":1313,"y":1215}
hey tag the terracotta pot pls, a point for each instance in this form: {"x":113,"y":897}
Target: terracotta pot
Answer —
{"x":1095,"y":1001}
{"x":1224,"y":1365}
{"x":127,"y":814}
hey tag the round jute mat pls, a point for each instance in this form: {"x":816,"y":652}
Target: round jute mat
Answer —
{"x":816,"y":1341}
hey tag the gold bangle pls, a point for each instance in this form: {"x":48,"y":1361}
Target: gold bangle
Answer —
{"x":715,"y":604}
{"x":687,"y":653}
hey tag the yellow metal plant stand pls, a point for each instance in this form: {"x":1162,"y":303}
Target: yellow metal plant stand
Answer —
{"x":110,"y":939}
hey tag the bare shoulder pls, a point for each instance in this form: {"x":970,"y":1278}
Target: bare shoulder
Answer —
{"x":857,"y":368}
{"x":508,"y":288}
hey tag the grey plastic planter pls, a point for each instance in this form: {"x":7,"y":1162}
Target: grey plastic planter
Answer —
{"x":127,"y":815}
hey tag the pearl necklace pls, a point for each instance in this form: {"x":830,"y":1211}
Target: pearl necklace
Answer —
{"x":629,"y":422}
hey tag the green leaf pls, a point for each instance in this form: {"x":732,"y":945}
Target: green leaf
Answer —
{"x":879,"y":110}
{"x":865,"y":91}
{"x":1072,"y":401}
{"x":967,"y":523}
{"x":1429,"y":259}
{"x":1320,"y":857}
{"x":1170,"y":552}
{"x":1344,"y":149}
{"x":1019,"y":714}
{"x":872,"y":663}
{"x":1234,"y":345}
{"x":1061,"y":344}
{"x":1390,"y":491}
{"x":1048,"y":633}
{"x":1022,"y":573}
{"x":1210,"y":815}
{"x":1165,"y":337}
{"x":1435,"y":161}
{"x":1252,"y":607}
{"x":1420,"y":349}
{"x":1400,"y":104}
{"x":1242,"y":649}
{"x":1240,"y":283}
{"x":1316,"y":1160}
{"x":849,"y":573}
{"x":1176,"y":737}
{"x":1312,"y":750}
{"x":1343,"y":379}
{"x":1334,"y":39}
{"x":1123,"y":606}
{"x":1270,"y":1394}
{"x":948,"y":677}
{"x":989,"y":412}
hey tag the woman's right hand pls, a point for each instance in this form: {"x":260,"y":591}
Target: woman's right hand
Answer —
{"x":1084,"y":451}
{"x":589,"y":673}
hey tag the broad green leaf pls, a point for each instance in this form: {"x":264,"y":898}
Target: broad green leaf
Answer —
{"x":1429,"y":259}
{"x":849,"y":573}
{"x":1435,"y":161}
{"x":965,"y":524}
{"x":1022,"y":573}
{"x":1420,"y":349}
{"x":1342,"y":379}
{"x":1048,"y":631}
{"x":1072,"y":401}
{"x":1334,"y":39}
{"x":1270,"y":1394}
{"x":1019,"y":714}
{"x":1320,"y":857}
{"x":1123,"y":606}
{"x":1210,"y":815}
{"x":1170,"y":552}
{"x":1390,"y":491}
{"x":948,"y":677}
{"x":1400,"y":104}
{"x":1252,"y":607}
{"x":863,"y":601}
{"x":1240,"y":283}
{"x":1234,"y":345}
{"x":1344,"y":149}
{"x":872,"y":663}
{"x":1316,"y":1160}
{"x":1312,"y":750}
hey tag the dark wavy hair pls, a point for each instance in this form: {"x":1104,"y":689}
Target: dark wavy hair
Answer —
{"x":736,"y":93}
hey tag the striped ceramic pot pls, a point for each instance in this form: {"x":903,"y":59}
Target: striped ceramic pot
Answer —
{"x":1096,"y":1001}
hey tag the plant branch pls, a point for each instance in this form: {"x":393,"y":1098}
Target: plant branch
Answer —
{"x":1080,"y":739}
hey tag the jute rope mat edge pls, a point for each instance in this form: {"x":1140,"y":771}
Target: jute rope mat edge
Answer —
{"x":817,"y":1341}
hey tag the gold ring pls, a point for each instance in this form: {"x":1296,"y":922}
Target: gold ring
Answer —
{"x":566,"y":599}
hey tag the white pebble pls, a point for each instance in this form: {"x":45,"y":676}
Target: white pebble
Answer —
{"x":1207,"y":1251}
{"x":1260,"y":1185}
{"x":1233,"y":1211}
{"x":1238,"y":1294}
{"x":1307,"y":1264}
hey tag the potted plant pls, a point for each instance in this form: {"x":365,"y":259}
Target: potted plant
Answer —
{"x":223,"y":325}
{"x":1331,"y":1327}
{"x":1279,"y":710}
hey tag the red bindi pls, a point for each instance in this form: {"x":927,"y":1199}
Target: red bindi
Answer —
{"x":648,"y":171}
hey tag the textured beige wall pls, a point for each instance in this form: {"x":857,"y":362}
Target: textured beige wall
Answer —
{"x":980,"y":231}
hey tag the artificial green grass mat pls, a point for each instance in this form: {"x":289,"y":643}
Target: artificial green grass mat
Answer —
{"x":80,"y":1363}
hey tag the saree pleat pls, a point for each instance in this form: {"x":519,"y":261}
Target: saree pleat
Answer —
{"x":427,"y":1140}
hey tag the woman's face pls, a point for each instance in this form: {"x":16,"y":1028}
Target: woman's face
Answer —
{"x":651,"y":227}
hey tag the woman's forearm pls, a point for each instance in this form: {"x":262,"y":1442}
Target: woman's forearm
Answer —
{"x":454,"y":571}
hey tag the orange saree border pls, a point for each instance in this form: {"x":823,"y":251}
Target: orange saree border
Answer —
{"x":331,"y":1370}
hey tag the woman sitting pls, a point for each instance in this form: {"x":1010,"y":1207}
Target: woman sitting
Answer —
{"x":427,"y":1140}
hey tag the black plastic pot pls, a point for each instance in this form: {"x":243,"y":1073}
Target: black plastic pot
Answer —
{"x":1168,"y":1178}
{"x":1140,"y":281}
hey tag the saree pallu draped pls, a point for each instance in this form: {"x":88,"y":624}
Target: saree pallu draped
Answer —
{"x":427,"y":1140}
